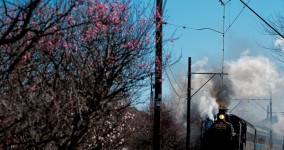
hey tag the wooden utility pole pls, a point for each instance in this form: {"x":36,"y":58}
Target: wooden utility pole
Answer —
{"x":151,"y":95}
{"x":188,"y":104}
{"x":158,"y":75}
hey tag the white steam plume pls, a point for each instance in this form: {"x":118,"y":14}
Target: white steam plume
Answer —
{"x":253,"y":76}
{"x":249,"y":76}
{"x":207,"y":106}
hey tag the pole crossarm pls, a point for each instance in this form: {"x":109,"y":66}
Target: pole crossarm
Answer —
{"x":255,"y":100}
{"x":209,"y":73}
{"x":252,"y":99}
{"x":213,"y":74}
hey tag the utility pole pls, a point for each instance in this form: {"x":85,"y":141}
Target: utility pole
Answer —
{"x":158,"y":75}
{"x":270,"y":109}
{"x":267,"y":112}
{"x":151,"y":94}
{"x":189,"y":96}
{"x":188,"y":104}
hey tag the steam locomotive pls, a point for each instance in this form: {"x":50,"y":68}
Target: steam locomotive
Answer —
{"x":230,"y":132}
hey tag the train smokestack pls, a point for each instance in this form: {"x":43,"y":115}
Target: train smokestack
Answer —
{"x":223,"y":111}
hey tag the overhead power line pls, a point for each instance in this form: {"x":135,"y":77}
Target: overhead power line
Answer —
{"x":176,"y":80}
{"x":208,"y":28}
{"x":263,"y":20}
{"x":236,"y":17}
{"x":186,"y":27}
{"x":180,"y":96}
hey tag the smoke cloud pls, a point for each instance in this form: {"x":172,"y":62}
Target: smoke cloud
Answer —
{"x":249,"y":77}
{"x":277,"y":127}
{"x":222,"y":92}
{"x":253,"y":76}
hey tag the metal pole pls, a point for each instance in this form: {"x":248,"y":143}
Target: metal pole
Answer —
{"x":271,"y":113}
{"x":188,"y":104}
{"x":158,"y":76}
{"x":223,"y":43}
{"x":267,"y":112}
{"x":270,"y":109}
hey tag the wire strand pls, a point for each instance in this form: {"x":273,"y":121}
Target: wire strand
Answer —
{"x":207,"y":28}
{"x":186,"y":27}
{"x":173,"y":86}
{"x":175,"y":79}
{"x":236,"y":17}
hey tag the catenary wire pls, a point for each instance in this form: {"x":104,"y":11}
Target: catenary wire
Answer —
{"x":236,"y":18}
{"x":175,"y":79}
{"x":207,"y":28}
{"x":173,"y":86}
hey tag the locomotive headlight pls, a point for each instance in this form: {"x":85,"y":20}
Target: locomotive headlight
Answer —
{"x":221,"y":116}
